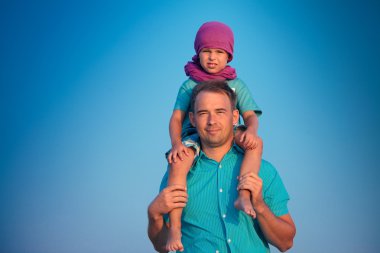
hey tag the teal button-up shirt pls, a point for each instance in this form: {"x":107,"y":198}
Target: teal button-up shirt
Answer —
{"x":210,"y":222}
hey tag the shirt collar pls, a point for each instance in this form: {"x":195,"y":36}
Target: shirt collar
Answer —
{"x":233,"y":150}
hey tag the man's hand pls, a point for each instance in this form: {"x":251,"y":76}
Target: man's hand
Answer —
{"x":278,"y":230}
{"x":169,"y":198}
{"x":253,"y":183}
{"x":178,"y":150}
{"x":174,"y":196}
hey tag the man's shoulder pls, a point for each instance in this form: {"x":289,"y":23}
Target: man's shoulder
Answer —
{"x":268,"y":166}
{"x":267,"y":171}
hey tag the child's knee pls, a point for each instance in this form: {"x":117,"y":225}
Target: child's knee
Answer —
{"x":191,"y":151}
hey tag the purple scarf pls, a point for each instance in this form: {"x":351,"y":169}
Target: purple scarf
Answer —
{"x":195,"y":71}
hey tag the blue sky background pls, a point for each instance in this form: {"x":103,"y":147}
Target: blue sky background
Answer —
{"x":87,"y":89}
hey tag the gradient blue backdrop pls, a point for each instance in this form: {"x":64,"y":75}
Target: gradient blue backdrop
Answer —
{"x":87,"y":90}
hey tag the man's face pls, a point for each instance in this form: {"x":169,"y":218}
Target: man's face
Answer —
{"x":214,"y":119}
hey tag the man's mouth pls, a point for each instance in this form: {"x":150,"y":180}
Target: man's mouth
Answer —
{"x":212,"y":130}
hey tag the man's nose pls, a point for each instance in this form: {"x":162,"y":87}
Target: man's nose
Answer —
{"x":211,"y":119}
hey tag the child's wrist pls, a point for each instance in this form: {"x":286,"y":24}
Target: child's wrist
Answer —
{"x":251,"y":129}
{"x":177,"y":142}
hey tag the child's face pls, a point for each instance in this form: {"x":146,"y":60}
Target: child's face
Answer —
{"x":213,"y":60}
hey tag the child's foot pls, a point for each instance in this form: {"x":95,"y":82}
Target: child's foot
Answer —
{"x":174,"y":240}
{"x":245,"y":205}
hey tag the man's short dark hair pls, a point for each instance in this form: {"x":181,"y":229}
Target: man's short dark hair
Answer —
{"x":217,"y":86}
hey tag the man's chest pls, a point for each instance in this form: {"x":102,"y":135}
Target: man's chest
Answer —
{"x":212,"y":189}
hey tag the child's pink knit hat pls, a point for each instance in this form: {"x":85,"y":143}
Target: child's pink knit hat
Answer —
{"x":215,"y":35}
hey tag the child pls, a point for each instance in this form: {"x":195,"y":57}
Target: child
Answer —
{"x":214,"y":49}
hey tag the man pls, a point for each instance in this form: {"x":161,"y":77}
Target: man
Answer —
{"x":210,"y":222}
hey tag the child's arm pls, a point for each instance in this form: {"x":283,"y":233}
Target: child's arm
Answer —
{"x":249,"y":137}
{"x":175,"y":129}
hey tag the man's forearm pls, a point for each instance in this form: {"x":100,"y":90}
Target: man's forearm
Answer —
{"x":174,"y":196}
{"x":157,"y":230}
{"x":279,"y":231}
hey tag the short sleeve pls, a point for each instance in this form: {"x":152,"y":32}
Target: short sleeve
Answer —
{"x":275,"y":194}
{"x":184,"y":96}
{"x":245,"y":101}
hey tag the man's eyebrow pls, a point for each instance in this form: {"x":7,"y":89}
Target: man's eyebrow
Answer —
{"x":199,"y":111}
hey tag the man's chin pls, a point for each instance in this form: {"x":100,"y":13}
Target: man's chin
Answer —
{"x":214,"y":142}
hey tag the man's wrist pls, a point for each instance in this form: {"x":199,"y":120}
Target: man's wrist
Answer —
{"x":154,"y":215}
{"x":260,"y":206}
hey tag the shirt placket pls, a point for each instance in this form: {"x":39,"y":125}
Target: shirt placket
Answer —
{"x":222,"y":197}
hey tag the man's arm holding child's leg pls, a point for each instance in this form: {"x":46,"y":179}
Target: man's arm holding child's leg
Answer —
{"x":279,"y":231}
{"x":171,"y":197}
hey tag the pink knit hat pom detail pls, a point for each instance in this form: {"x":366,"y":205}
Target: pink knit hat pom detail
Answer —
{"x":215,"y":35}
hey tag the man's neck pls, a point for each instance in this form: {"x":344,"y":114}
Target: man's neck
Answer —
{"x":217,"y":153}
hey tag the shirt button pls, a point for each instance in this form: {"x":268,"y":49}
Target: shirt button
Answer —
{"x":220,"y":166}
{"x":220,"y":190}
{"x":217,"y":251}
{"x":229,"y":240}
{"x":224,"y":216}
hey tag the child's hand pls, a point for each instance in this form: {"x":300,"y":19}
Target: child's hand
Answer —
{"x":249,"y":140}
{"x":178,"y":150}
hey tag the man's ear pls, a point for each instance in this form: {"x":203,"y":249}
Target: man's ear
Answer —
{"x":191,"y":117}
{"x":235,"y":116}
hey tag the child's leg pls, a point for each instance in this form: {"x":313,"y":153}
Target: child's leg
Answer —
{"x":251,"y":163}
{"x":177,"y":176}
